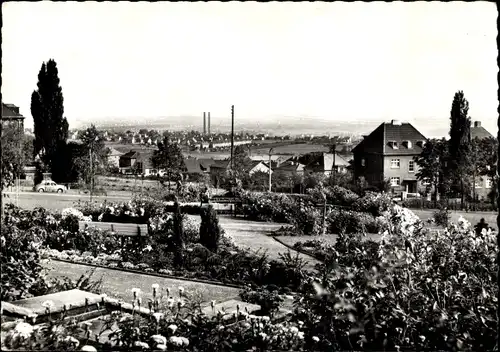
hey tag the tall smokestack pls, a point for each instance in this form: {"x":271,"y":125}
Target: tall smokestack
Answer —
{"x":208,"y":123}
{"x":204,"y":124}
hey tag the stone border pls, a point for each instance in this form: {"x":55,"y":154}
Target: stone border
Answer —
{"x":163,"y":276}
{"x":301,"y":251}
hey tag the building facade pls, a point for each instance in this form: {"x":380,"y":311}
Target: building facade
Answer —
{"x":12,"y":117}
{"x":387,"y":155}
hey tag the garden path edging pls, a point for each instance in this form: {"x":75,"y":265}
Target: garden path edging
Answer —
{"x":301,"y":251}
{"x":164,"y":276}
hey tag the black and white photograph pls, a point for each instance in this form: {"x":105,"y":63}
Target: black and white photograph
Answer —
{"x":249,"y":176}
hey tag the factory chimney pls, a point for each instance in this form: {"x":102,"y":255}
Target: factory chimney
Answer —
{"x":204,"y":124}
{"x":208,"y":123}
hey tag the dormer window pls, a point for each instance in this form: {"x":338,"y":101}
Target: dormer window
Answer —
{"x":408,"y":144}
{"x":394,"y":144}
{"x":421,"y":144}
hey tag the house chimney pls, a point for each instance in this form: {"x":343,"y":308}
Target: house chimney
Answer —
{"x":396,"y":123}
{"x":208,"y":122}
{"x":477,"y":124}
{"x":204,"y":124}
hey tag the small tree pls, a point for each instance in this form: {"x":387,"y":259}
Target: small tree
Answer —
{"x":431,"y":164}
{"x":210,"y":230}
{"x":13,"y":154}
{"x":47,"y":109}
{"x":168,"y":157}
{"x":459,"y":162}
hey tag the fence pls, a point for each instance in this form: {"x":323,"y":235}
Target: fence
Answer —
{"x":421,"y":203}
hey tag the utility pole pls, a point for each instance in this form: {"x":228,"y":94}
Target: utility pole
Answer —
{"x":232,"y":135}
{"x":270,"y":151}
{"x":474,"y":176}
{"x":91,"y":174}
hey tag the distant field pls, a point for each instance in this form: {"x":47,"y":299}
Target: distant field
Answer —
{"x":302,"y":148}
{"x":279,"y":147}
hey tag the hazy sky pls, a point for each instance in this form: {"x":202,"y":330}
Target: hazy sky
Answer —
{"x":338,"y":61}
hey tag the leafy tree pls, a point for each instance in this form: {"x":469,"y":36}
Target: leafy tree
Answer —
{"x":241,"y":161}
{"x":431,"y":164}
{"x":459,"y":162}
{"x":13,"y":154}
{"x":259,"y":180}
{"x":47,"y":109}
{"x":485,"y":156}
{"x":168,"y":157}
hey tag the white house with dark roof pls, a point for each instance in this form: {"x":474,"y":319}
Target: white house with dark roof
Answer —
{"x":388,"y":153}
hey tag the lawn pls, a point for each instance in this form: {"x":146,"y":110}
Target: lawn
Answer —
{"x":472,"y":217}
{"x":118,"y":284}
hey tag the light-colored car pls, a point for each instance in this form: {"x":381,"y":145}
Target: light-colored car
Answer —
{"x":50,"y":186}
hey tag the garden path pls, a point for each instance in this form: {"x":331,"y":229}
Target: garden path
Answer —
{"x":254,"y":235}
{"x":119,"y":284}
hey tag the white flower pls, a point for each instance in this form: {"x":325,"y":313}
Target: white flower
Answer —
{"x":175,"y":340}
{"x":158,"y":316}
{"x":301,"y":335}
{"x":71,"y":339}
{"x":294,"y":330}
{"x":148,"y":248}
{"x":180,"y":302}
{"x":24,"y":329}
{"x":181,"y":290}
{"x":141,"y":344}
{"x":184,"y":341}
{"x":155,"y":286}
{"x":136,"y":291}
{"x":48,"y":304}
{"x":263,"y":335}
{"x":173,"y":328}
{"x":315,"y":338}
{"x":159,"y":339}
{"x":170,"y":302}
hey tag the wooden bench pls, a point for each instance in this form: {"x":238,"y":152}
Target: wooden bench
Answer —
{"x":122,"y":230}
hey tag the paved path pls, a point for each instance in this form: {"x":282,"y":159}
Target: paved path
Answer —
{"x":118,"y":284}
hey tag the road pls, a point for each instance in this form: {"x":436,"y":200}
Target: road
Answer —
{"x":56,"y":201}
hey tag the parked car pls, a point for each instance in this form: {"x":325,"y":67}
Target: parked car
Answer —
{"x":50,"y":186}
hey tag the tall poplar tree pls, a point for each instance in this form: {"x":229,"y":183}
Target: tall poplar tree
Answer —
{"x":47,"y":109}
{"x":459,"y":165}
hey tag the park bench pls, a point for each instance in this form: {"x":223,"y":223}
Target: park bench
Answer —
{"x":121,"y":230}
{"x":232,"y":201}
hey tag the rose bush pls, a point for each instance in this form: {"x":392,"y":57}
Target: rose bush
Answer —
{"x":413,"y":290}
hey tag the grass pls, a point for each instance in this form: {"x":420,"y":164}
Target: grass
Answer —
{"x":118,"y":284}
{"x":472,"y":217}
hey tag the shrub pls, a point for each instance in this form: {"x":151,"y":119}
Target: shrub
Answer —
{"x":267,"y":298}
{"x":21,"y":266}
{"x":414,"y":290}
{"x":442,"y":217}
{"x":373,"y":203}
{"x":349,"y":222}
{"x":210,"y":231}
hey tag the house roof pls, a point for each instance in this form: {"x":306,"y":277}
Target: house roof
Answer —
{"x":193,"y":166}
{"x":130,"y":155}
{"x":324,"y":162}
{"x":10,"y":112}
{"x":379,"y":140}
{"x":290,"y":166}
{"x":478,"y":131}
{"x":114,"y":152}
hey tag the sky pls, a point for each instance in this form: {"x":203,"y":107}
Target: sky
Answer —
{"x":274,"y":61}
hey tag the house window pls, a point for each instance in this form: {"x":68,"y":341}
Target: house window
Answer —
{"x":411,"y":166}
{"x":394,"y":144}
{"x":488,"y":182}
{"x":408,"y":144}
{"x":395,"y":164}
{"x":395,"y":181}
{"x":363,"y":162}
{"x":479,"y":182}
